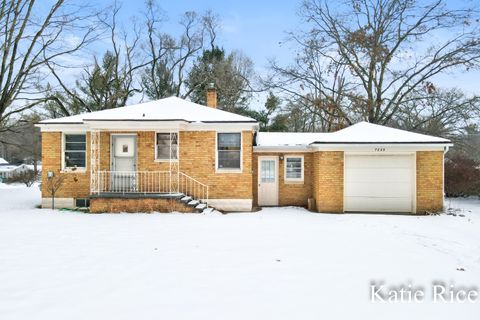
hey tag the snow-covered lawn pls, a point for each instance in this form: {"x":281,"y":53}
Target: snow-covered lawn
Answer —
{"x":279,"y":263}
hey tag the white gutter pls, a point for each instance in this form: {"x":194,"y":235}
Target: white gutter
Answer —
{"x":297,"y":148}
{"x":381,"y":147}
{"x":145,"y":126}
{"x":360,"y":147}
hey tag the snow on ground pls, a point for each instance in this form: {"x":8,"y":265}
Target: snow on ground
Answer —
{"x":279,"y":263}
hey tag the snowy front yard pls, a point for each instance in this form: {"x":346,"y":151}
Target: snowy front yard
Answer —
{"x":283,"y":263}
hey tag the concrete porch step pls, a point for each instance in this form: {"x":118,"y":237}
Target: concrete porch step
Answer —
{"x":186,"y":199}
{"x":193,"y":203}
{"x":201,"y":206}
{"x":208,"y":210}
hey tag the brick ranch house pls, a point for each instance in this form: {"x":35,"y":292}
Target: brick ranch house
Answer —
{"x":174,"y":155}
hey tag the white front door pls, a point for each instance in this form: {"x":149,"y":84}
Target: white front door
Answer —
{"x":379,"y":183}
{"x":268,"y":181}
{"x":123,"y":163}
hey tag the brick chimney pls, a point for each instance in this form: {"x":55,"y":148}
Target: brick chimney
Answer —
{"x":211,"y":96}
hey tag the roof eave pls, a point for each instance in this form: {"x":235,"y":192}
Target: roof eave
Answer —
{"x":285,"y":148}
{"x":382,"y":142}
{"x":144,"y":125}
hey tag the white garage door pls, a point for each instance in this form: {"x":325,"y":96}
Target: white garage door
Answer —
{"x":379,"y":183}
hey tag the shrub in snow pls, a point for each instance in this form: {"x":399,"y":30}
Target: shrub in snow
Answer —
{"x":462,"y":176}
{"x":28,"y":177}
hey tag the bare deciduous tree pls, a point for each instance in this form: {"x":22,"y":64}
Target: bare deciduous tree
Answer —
{"x":53,"y":184}
{"x":33,"y":34}
{"x":365,"y":60}
{"x":170,"y":57}
{"x":447,"y":113}
{"x":108,"y":83}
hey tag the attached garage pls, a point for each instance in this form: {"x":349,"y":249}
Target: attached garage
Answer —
{"x":362,"y":168}
{"x":379,"y":183}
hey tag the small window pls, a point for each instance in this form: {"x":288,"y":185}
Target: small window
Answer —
{"x":229,"y":150}
{"x":267,"y":171}
{"x":293,"y":168}
{"x":82,"y":203}
{"x":75,"y":150}
{"x":167,"y":146}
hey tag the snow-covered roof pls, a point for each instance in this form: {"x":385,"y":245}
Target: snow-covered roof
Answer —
{"x":274,"y":139}
{"x":360,"y":133}
{"x":167,"y":109}
{"x":3,"y":161}
{"x":9,"y":168}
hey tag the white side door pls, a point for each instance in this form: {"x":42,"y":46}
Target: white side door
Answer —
{"x":267,"y":181}
{"x":123,"y":163}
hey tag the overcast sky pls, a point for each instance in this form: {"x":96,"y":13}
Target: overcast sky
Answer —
{"x":257,"y":28}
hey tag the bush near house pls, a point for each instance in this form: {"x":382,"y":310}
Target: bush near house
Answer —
{"x":462,"y":176}
{"x":27,"y":177}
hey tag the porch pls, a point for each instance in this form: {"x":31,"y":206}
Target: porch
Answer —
{"x":145,"y":191}
{"x":122,"y":167}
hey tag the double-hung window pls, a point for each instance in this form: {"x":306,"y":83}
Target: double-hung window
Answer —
{"x":75,"y":151}
{"x":167,"y":146}
{"x":229,"y":149}
{"x":294,"y":168}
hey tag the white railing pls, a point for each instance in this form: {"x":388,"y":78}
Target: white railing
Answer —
{"x":192,"y":187}
{"x":150,"y":182}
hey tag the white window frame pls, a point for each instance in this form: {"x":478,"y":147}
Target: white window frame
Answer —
{"x":228,"y":170}
{"x":74,"y":169}
{"x":293,"y":180}
{"x":155,"y":147}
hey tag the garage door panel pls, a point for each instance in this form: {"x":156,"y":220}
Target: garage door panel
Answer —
{"x":379,"y":189}
{"x":379,"y":183}
{"x":379,"y":174}
{"x":360,"y":161}
{"x":362,"y":204}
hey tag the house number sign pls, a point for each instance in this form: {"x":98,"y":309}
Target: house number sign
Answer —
{"x":379,"y":149}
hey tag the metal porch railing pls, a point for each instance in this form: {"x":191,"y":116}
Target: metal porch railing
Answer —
{"x":150,"y":182}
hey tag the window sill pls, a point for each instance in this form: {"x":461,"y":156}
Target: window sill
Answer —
{"x":218,"y":170}
{"x":78,"y":170}
{"x":165,"y":160}
{"x":293,"y":181}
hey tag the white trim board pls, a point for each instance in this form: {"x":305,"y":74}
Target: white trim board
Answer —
{"x":284,"y":149}
{"x":374,"y":148}
{"x":147,"y":126}
{"x":381,"y":148}
{"x":59,"y":203}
